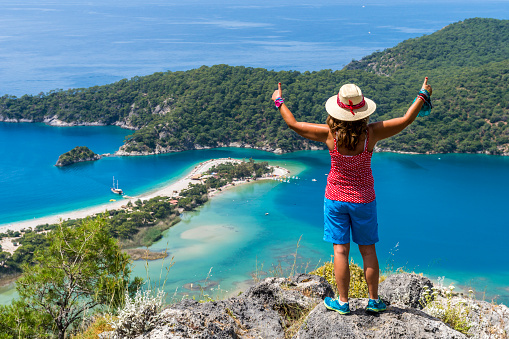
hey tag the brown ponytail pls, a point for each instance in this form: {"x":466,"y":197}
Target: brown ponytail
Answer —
{"x":347,"y":133}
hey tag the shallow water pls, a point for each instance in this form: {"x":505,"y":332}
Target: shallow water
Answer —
{"x":426,"y":213}
{"x":439,"y":214}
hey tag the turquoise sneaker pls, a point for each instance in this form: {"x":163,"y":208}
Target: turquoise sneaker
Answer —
{"x":336,"y":305}
{"x":376,"y":305}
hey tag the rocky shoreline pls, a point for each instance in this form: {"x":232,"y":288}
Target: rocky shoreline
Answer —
{"x":163,"y":150}
{"x":293,"y":308}
{"x":54,"y":121}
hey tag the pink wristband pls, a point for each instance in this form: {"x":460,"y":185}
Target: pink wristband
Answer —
{"x":278,"y":102}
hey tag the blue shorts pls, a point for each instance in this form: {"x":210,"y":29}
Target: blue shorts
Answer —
{"x":340,"y":217}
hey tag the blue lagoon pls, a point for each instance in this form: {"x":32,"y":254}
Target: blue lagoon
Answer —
{"x":442,"y":215}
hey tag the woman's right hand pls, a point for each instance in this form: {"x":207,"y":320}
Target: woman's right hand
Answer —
{"x":277,"y":93}
{"x":426,"y":86}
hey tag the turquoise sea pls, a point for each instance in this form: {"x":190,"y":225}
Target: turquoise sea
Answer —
{"x":443,"y":215}
{"x":439,"y":214}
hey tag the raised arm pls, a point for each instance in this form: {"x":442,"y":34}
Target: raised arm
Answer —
{"x":316,"y":132}
{"x":388,"y":128}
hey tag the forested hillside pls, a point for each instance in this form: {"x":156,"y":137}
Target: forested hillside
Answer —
{"x":469,"y":43}
{"x":467,"y":63}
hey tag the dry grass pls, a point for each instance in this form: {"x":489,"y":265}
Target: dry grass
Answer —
{"x":295,"y":318}
{"x":99,"y":325}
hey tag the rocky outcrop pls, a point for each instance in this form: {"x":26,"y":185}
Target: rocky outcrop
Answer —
{"x":404,"y":288}
{"x":402,"y":319}
{"x":486,"y":320}
{"x":269,"y":308}
{"x":165,"y":108}
{"x":126,"y":125}
{"x":122,"y":151}
{"x":260,"y":312}
{"x":54,"y":121}
{"x":7,"y":119}
{"x":300,"y":292}
{"x":399,"y":321}
{"x":264,"y":309}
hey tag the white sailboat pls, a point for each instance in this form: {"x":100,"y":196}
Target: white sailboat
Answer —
{"x":116,"y":190}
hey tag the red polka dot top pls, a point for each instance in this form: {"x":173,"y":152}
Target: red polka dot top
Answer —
{"x":350,"y":178}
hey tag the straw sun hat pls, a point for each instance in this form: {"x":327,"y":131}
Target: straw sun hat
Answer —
{"x":349,"y":104}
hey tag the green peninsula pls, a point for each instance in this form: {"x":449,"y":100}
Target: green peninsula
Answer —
{"x":77,"y":154}
{"x":467,"y":63}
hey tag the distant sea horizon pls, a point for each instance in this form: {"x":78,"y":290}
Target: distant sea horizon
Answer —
{"x":49,"y":45}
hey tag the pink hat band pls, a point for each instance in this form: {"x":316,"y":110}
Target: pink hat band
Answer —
{"x":351,"y":106}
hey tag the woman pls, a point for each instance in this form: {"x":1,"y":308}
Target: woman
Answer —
{"x":350,"y":204}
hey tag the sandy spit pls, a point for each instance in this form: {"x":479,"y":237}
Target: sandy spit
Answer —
{"x":167,"y":191}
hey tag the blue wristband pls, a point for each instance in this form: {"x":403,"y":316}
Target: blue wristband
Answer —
{"x":425,"y":92}
{"x":426,"y":107}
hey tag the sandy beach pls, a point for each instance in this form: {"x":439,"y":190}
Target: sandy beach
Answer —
{"x":169,"y":190}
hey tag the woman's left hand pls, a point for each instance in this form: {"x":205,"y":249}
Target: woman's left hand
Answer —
{"x":277,"y":93}
{"x":426,"y":86}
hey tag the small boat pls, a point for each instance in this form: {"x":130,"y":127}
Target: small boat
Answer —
{"x":313,"y":179}
{"x":116,"y":190}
